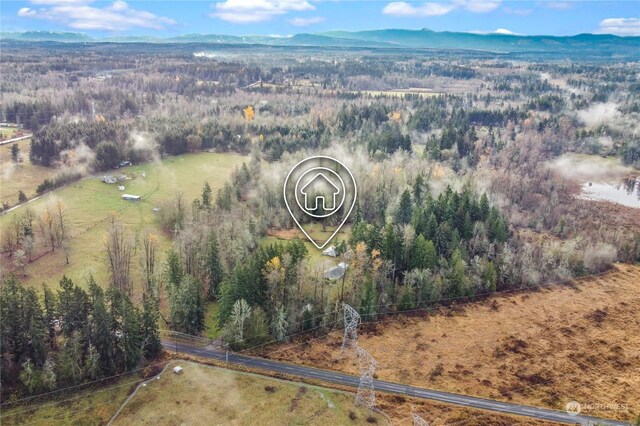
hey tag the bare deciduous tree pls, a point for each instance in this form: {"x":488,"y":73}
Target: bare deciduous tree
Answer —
{"x":148,"y":260}
{"x":119,"y":248}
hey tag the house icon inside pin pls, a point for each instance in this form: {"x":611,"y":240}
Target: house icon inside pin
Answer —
{"x":320,"y":184}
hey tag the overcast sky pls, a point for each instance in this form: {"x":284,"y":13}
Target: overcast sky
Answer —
{"x":285,"y":17}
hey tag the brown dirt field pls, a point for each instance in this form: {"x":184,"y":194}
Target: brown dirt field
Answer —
{"x":543,"y":348}
{"x":400,"y":408}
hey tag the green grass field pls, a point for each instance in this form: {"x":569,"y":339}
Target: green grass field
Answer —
{"x":90,"y":205}
{"x":7,"y":132}
{"x":23,"y":176}
{"x":204,"y":395}
{"x":316,"y":232}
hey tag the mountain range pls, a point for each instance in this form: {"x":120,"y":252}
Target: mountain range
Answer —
{"x":389,"y":38}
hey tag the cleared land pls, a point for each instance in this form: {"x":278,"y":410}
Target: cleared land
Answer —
{"x":544,"y":348}
{"x":316,"y":232}
{"x":90,"y":204}
{"x":23,"y":176}
{"x":205,"y":395}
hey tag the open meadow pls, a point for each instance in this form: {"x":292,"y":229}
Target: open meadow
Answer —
{"x":205,"y":395}
{"x":90,"y":205}
{"x":23,"y":176}
{"x":542,"y":348}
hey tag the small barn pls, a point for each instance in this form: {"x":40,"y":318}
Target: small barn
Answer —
{"x":130,"y":197}
{"x":331,"y":251}
{"x":336,"y":272}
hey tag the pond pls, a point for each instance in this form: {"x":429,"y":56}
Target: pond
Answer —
{"x":626,"y":193}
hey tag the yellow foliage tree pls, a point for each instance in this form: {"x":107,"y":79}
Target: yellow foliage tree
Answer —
{"x":249,"y":113}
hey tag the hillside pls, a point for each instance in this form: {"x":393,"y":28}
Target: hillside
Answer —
{"x":597,"y":44}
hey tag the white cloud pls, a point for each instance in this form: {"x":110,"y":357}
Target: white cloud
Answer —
{"x":557,"y":5}
{"x":477,"y":6}
{"x":516,"y":11}
{"x":79,"y":14}
{"x":59,"y":2}
{"x":401,"y":8}
{"x":620,"y":26}
{"x":250,"y":11}
{"x":25,"y":11}
{"x":304,"y":22}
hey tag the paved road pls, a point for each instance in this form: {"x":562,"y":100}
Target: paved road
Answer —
{"x":19,"y":138}
{"x":380,"y":385}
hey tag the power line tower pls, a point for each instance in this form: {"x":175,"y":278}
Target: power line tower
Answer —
{"x":366,"y":395}
{"x":351,"y":321}
{"x":419,"y":421}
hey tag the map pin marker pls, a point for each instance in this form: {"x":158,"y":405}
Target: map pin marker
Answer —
{"x":320,"y":193}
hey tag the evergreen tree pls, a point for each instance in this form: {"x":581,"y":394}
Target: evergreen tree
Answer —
{"x":407,"y":299}
{"x":419,"y":187}
{"x":73,"y":304}
{"x":11,"y":331}
{"x":15,"y":153}
{"x":456,"y":278}
{"x":206,"y":195}
{"x":357,"y":217}
{"x":432,"y":256}
{"x":490,"y":277}
{"x":101,"y":338}
{"x":484,"y":207}
{"x":419,"y":254}
{"x":150,"y":331}
{"x":174,"y":269}
{"x":431,"y":230}
{"x":132,"y":334}
{"x":392,"y":246}
{"x":405,"y":209}
{"x":187,"y":306}
{"x":35,"y":328}
{"x":50,"y":316}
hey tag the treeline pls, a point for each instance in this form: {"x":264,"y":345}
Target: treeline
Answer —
{"x":433,"y":114}
{"x":112,"y":142}
{"x":71,"y":335}
{"x":31,"y":115}
{"x":49,"y":142}
{"x":59,"y":180}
